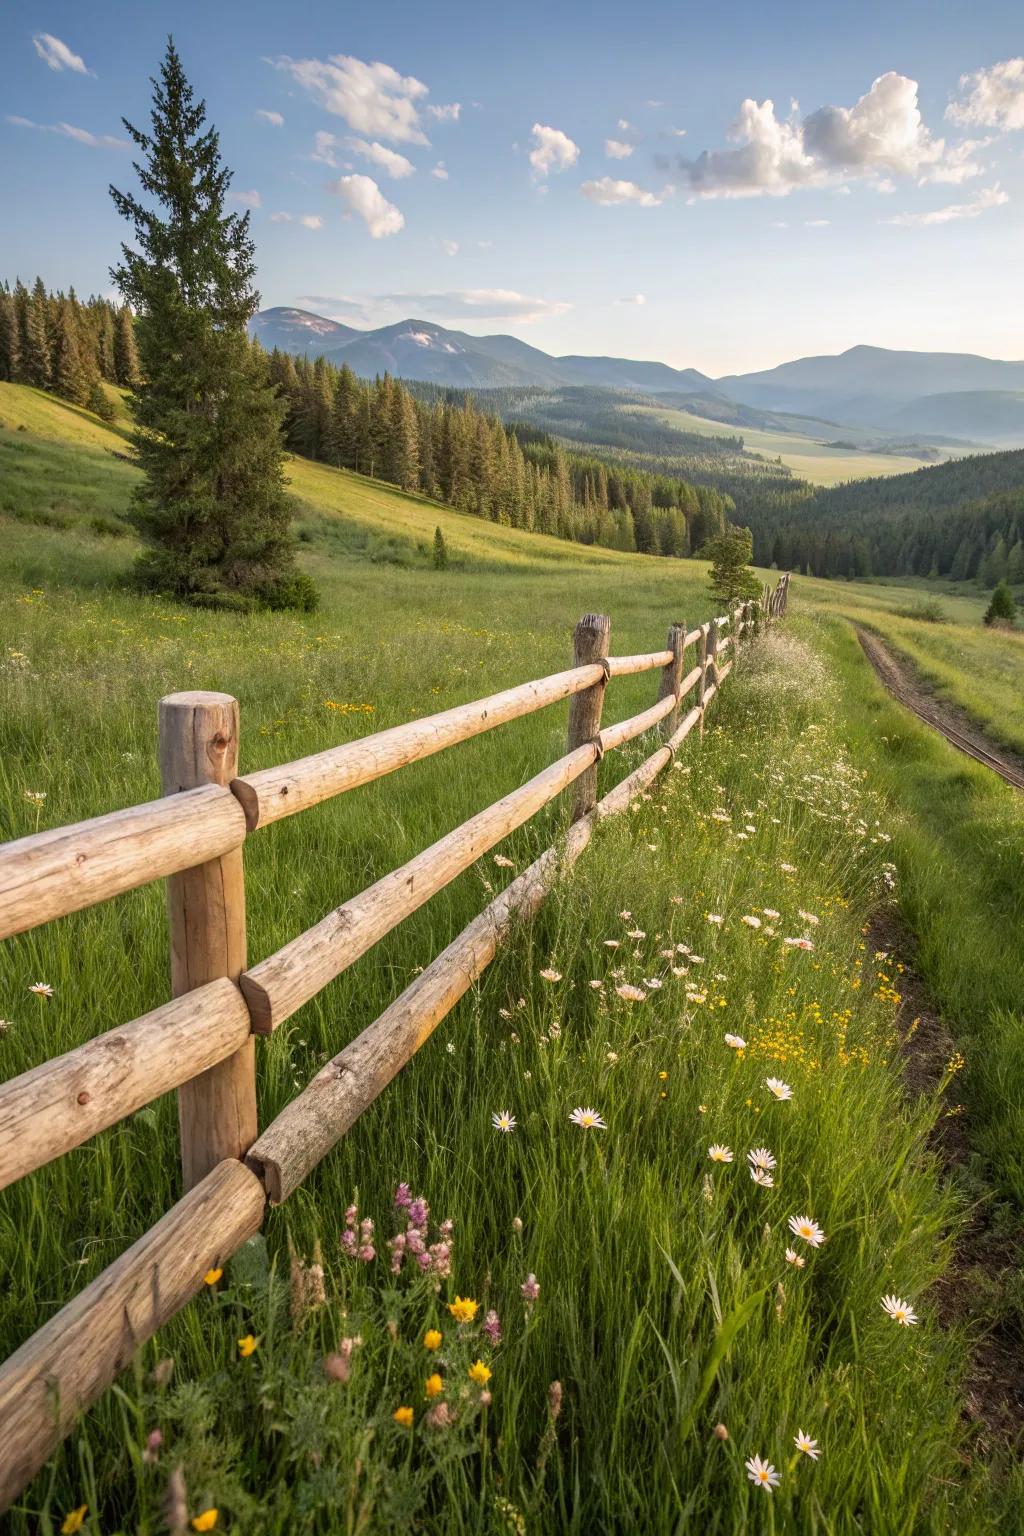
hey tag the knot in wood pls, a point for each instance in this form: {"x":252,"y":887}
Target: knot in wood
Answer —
{"x":83,"y":1097}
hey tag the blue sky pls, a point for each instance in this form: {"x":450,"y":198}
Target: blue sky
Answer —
{"x":613,"y":180}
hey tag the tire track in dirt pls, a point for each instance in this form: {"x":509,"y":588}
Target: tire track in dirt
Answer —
{"x":899,"y":680}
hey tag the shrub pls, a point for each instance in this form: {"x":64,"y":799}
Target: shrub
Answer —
{"x":440,"y":552}
{"x":1002,"y":610}
{"x":929,"y":610}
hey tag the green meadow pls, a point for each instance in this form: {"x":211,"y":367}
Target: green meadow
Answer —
{"x":625,"y":1320}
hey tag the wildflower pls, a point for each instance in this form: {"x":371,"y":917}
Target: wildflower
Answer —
{"x":720,"y":1154}
{"x":206,"y":1521}
{"x":517,"y":1224}
{"x":630,"y":994}
{"x":720,"y":1432}
{"x":652,"y":983}
{"x":530,"y":1288}
{"x":504,"y":1120}
{"x":403,"y":1198}
{"x":798,"y":943}
{"x":154,"y":1442}
{"x":502,"y":862}
{"x":635,"y":933}
{"x":403,"y":1416}
{"x":550,"y":975}
{"x":715,"y":917}
{"x":771,"y":912}
{"x":751,"y":922}
{"x":588,"y":1120}
{"x":776,"y":1086}
{"x":596,"y":986}
{"x":479,"y":1373}
{"x":611,"y":943}
{"x":737,"y":1042}
{"x":611,"y":1057}
{"x":762,"y":1473}
{"x":662,"y":1077}
{"x":760,"y":1157}
{"x":433,"y":1386}
{"x":899,"y":1310}
{"x":762,"y":1178}
{"x":73,"y":1521}
{"x":808,"y":917}
{"x":792,"y":1257}
{"x":463,"y":1310}
{"x":34,"y":796}
{"x":247,"y":1346}
{"x":439,"y":1417}
{"x":43,"y":989}
{"x":212,"y":1276}
{"x":450,"y":1048}
{"x":806,"y":1444}
{"x":788,"y":869}
{"x":803,"y":1226}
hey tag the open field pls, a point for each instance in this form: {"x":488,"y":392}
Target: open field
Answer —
{"x":666,"y":1301}
{"x":807,"y":457}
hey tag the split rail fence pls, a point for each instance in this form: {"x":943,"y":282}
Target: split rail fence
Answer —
{"x":202,"y":1042}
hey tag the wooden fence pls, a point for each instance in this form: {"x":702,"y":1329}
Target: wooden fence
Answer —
{"x":202,"y":1042}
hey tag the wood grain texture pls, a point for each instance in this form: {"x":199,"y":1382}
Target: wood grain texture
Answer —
{"x":66,"y":1365}
{"x":53,"y":873}
{"x":61,"y":1103}
{"x":272,"y":793}
{"x":279,"y":985}
{"x":206,"y":913}
{"x":671,"y":680}
{"x":625,"y":666}
{"x":589,"y":644}
{"x":615,"y":735}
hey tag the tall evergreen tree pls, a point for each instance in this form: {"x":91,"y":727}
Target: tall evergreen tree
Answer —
{"x":70,"y":376}
{"x":35,"y":341}
{"x":10,"y":345}
{"x":126,"y":352}
{"x":212,"y":507}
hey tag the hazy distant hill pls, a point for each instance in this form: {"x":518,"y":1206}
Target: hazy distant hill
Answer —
{"x":939,"y":396}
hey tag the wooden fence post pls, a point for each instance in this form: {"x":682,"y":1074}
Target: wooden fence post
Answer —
{"x":589,"y":644}
{"x":672,"y":675}
{"x":206,"y":912}
{"x":713,"y":649}
{"x":702,"y":662}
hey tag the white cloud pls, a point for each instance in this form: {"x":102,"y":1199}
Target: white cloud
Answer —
{"x":994,"y":97}
{"x":552,"y":150}
{"x":625,"y":126}
{"x":981,"y":202}
{"x":439,"y":172}
{"x":273,"y":118}
{"x":446,"y":114}
{"x":311,"y":221}
{"x":250,"y":199}
{"x":817,"y":223}
{"x":617,"y":150}
{"x":479,"y":304}
{"x":389,"y":160}
{"x":882,"y":135}
{"x":363,"y":197}
{"x":280,"y":218}
{"x":637,"y":300}
{"x":607,"y":192}
{"x":57,"y":54}
{"x":372,"y":98}
{"x":450,"y":247}
{"x":324,"y":145}
{"x":69,"y":131}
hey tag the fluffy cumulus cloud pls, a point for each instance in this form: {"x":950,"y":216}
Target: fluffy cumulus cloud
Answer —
{"x":617,"y":149}
{"x":552,"y":150}
{"x":324,"y":145}
{"x":58,"y":55}
{"x":478,"y":303}
{"x":607,"y":192}
{"x":991,"y":98}
{"x":69,"y":131}
{"x":880,"y":136}
{"x":362,"y":196}
{"x":373,"y":99}
{"x":981,"y":202}
{"x":440,"y":172}
{"x":389,"y":160}
{"x":446,"y":114}
{"x":250,"y":199}
{"x":273,"y":118}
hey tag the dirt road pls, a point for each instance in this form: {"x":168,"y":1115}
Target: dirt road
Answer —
{"x":950,"y":722}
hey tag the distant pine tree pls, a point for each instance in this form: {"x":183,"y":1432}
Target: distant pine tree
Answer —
{"x":211,"y":507}
{"x":35,"y":341}
{"x":70,"y":377}
{"x":1002,"y":610}
{"x":125,"y":350}
{"x":440,"y":552}
{"x":10,"y":346}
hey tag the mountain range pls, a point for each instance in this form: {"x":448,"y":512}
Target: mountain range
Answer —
{"x":942,"y":395}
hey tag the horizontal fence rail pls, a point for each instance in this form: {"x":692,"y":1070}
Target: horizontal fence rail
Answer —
{"x":202,"y":1042}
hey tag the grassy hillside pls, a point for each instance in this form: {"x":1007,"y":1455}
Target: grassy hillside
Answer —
{"x":667,"y":1304}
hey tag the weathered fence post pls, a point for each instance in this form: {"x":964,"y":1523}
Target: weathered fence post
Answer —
{"x":672,"y":675}
{"x":206,"y":912}
{"x":702,"y":662}
{"x":713,"y":651}
{"x":589,"y":644}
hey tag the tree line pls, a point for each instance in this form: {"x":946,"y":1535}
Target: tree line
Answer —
{"x":963,"y":520}
{"x":441,"y":445}
{"x":54,"y":341}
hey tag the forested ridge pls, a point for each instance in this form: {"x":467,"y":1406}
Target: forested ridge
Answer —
{"x":55,"y":341}
{"x":963,"y":520}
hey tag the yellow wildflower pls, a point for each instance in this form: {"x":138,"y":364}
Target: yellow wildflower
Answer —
{"x":73,"y":1521}
{"x":433,"y":1386}
{"x":479,"y":1373}
{"x":403,"y":1416}
{"x":206,"y":1521}
{"x":432,"y":1339}
{"x":212,"y":1276}
{"x":463,"y":1310}
{"x":247,"y":1346}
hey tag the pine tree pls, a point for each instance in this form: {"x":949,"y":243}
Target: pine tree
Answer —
{"x":35,"y":342}
{"x":70,"y":377}
{"x":732,"y":580}
{"x":126,"y":352}
{"x":212,"y":506}
{"x":440,"y":551}
{"x":1002,"y":610}
{"x":10,"y":345}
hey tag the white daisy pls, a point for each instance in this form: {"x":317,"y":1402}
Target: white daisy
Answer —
{"x":792,"y":1257}
{"x":760,"y":1157}
{"x":588,"y":1120}
{"x":803,"y":1226}
{"x":720,"y":1154}
{"x":806,"y":1444}
{"x":736,"y":1041}
{"x":899,"y":1310}
{"x":762,"y":1473}
{"x":762,"y":1178}
{"x":41,"y":989}
{"x":551,"y":975}
{"x":776,"y":1086}
{"x":503,"y":1120}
